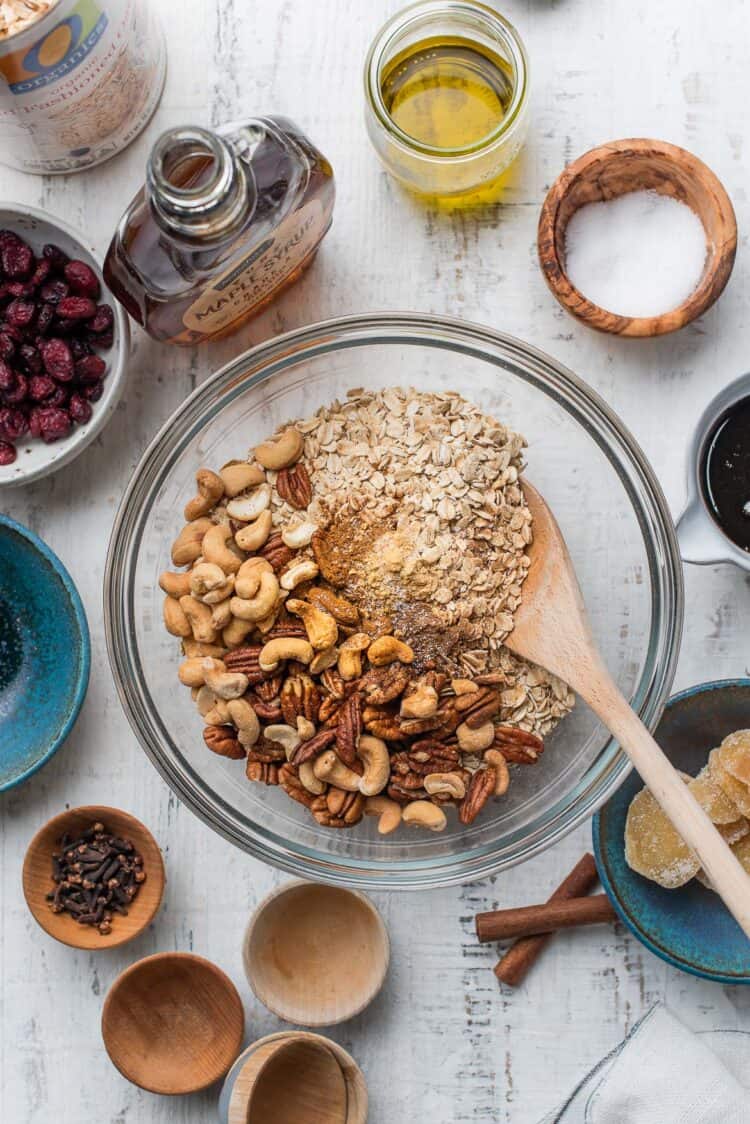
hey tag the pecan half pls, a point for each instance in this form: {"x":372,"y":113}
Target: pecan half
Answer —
{"x":384,"y":684}
{"x":519,"y":746}
{"x":294,"y":485}
{"x":325,"y":817}
{"x":428,"y":756}
{"x":328,"y":715}
{"x":300,"y":698}
{"x":413,"y":727}
{"x":276,"y":552}
{"x":466,"y":704}
{"x":293,"y":786}
{"x":222,"y":740}
{"x":246,"y":660}
{"x":262,"y":772}
{"x":348,"y":806}
{"x":266,"y":750}
{"x":405,"y":796}
{"x":267,"y":711}
{"x":492,"y":679}
{"x":481,"y":788}
{"x":269,"y":690}
{"x":348,"y":729}
{"x":313,"y":746}
{"x":286,"y":626}
{"x":340,"y":609}
{"x":334,"y":684}
{"x":482,"y":714}
{"x":382,"y":723}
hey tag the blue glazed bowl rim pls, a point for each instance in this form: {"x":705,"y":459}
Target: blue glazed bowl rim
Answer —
{"x":610,"y":888}
{"x":79,"y":614}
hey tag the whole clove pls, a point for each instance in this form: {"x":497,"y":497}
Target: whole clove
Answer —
{"x":95,"y":876}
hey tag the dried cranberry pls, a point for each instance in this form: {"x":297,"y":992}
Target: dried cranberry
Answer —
{"x":19,"y":393}
{"x":30,"y":359}
{"x":57,"y":359}
{"x":20,"y":313}
{"x":103,"y":340}
{"x":7,"y":453}
{"x":7,"y":376}
{"x":57,"y":258}
{"x":80,"y":347}
{"x":7,"y":346}
{"x":42,"y":270}
{"x":19,"y":288}
{"x":93,"y":390}
{"x":82,"y":279}
{"x":53,"y":291}
{"x":76,"y":308}
{"x":80,"y":409}
{"x":58,"y":397}
{"x":90,"y":369}
{"x":13,"y":424}
{"x":40,"y":387}
{"x":35,"y":421}
{"x":103,"y":321}
{"x":65,"y":327}
{"x":44,"y":318}
{"x":54,"y":424}
{"x":16,"y":258}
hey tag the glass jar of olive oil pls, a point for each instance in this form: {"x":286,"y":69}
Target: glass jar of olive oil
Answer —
{"x":447,"y":89}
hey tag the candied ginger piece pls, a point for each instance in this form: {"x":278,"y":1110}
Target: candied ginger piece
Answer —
{"x":719,"y":808}
{"x":734,"y":755}
{"x":653,"y":847}
{"x":735,"y":790}
{"x":741,"y":848}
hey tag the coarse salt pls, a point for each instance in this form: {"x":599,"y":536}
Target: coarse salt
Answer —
{"x":640,"y":254}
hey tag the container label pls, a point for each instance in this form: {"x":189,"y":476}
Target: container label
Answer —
{"x":63,"y":48}
{"x":257,"y":275}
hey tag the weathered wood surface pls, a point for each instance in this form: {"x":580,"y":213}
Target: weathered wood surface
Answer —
{"x":442,"y":1042}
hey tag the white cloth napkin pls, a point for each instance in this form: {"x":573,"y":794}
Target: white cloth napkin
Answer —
{"x":662,"y":1074}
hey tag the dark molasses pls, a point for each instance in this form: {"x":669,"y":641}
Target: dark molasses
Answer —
{"x":725,"y":473}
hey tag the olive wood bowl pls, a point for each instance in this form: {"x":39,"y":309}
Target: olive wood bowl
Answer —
{"x":37,"y":878}
{"x":316,"y":955}
{"x":173,"y":1023}
{"x":295,"y":1078}
{"x":635,"y":165}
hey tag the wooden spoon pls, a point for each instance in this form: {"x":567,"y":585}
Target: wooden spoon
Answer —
{"x":551,"y":629}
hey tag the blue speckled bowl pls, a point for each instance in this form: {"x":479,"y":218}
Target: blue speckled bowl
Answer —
{"x":45,"y":653}
{"x":690,"y":928}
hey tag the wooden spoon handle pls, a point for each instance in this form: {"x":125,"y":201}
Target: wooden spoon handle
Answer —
{"x":722,"y":867}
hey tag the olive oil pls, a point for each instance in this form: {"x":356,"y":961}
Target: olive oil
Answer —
{"x":447,"y":93}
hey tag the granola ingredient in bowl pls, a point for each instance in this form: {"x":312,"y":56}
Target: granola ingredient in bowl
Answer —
{"x":96,"y":876}
{"x":342,"y":622}
{"x":15,"y":15}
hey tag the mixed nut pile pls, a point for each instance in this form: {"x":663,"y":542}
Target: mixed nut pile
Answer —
{"x":288,"y":652}
{"x":51,"y":327}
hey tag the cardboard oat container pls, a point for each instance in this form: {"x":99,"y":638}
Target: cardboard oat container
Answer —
{"x":78,"y":83}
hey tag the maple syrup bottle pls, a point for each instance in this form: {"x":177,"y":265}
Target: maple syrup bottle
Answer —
{"x":225,"y":222}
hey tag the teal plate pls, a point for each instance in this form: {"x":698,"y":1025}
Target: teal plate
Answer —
{"x":690,"y":928}
{"x":45,"y":653}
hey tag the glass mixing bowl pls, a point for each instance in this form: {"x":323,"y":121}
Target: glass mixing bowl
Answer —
{"x":591,"y":472}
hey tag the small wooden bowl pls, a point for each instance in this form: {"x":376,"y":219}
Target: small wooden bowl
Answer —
{"x":295,"y":1078}
{"x":37,"y":878}
{"x":617,"y":169}
{"x":316,"y":955}
{"x":173,"y":1023}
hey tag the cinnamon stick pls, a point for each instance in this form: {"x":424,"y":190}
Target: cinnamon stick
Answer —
{"x":530,"y":920}
{"x":522,"y":955}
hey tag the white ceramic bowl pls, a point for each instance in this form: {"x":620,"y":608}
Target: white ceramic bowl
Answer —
{"x":35,"y":459}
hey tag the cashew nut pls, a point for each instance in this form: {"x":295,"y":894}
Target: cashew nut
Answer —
{"x":303,"y":571}
{"x":193,"y":650}
{"x":205,"y":700}
{"x":285,"y":736}
{"x":206,"y":578}
{"x":237,"y":476}
{"x":245,"y":719}
{"x":323,"y":660}
{"x":236,"y":631}
{"x":445,"y":784}
{"x":388,"y":811}
{"x":224,"y":684}
{"x":260,"y":606}
{"x":174,"y":585}
{"x":264,"y":626}
{"x":328,"y":767}
{"x":297,"y":537}
{"x":192,"y":672}
{"x":218,"y":715}
{"x":247,"y":579}
{"x":284,"y":648}
{"x":474,"y":741}
{"x":199,"y":616}
{"x":282,"y":450}
{"x":216,"y":549}
{"x":423,"y":813}
{"x":309,"y":780}
{"x":221,"y":614}
{"x":322,"y":630}
{"x":387,"y":649}
{"x":377,"y":762}
{"x":210,"y":491}
{"x":350,"y":655}
{"x":305,"y":728}
{"x":247,"y":508}
{"x":422,"y":702}
{"x":175,"y":620}
{"x":464,"y":686}
{"x":255,"y":535}
{"x":188,"y":544}
{"x":496,"y":761}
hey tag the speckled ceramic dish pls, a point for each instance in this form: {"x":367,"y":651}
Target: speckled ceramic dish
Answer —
{"x":44,"y":653}
{"x":689,"y":928}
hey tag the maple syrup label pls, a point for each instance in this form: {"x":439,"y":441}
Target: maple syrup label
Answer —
{"x":258,"y":274}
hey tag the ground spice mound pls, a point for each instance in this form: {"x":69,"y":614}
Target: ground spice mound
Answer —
{"x":423,"y":524}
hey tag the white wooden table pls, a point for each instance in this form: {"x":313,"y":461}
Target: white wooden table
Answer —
{"x":442,"y":1043}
